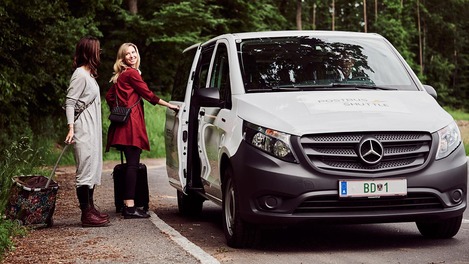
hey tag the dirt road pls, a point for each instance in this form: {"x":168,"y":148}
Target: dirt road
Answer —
{"x":124,"y":241}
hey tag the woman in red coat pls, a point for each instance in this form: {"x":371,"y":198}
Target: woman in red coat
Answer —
{"x":128,"y":90}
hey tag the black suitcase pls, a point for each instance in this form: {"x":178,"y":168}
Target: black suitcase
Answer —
{"x":142,"y":196}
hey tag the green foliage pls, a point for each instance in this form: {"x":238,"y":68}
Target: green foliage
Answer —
{"x":396,"y":23}
{"x":38,"y":40}
{"x":19,"y":159}
{"x":9,"y":229}
{"x":446,"y":57}
{"x":155,"y":119}
{"x":243,"y":16}
{"x":461,"y":116}
{"x":457,"y":114}
{"x":36,"y":48}
{"x":39,"y":37}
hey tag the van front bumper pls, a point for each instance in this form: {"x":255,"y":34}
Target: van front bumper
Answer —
{"x":272,"y":191}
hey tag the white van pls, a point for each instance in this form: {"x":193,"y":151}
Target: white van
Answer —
{"x":291,"y":127}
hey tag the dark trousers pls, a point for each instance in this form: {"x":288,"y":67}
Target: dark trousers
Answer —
{"x":132,"y":157}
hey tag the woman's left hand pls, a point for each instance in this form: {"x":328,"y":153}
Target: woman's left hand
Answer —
{"x":69,"y":137}
{"x":175,"y":108}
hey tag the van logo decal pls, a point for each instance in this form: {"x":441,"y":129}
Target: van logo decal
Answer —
{"x":370,"y":150}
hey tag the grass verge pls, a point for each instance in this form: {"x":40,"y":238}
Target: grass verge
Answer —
{"x":463,"y":118}
{"x":8,"y":230}
{"x":154,"y":120}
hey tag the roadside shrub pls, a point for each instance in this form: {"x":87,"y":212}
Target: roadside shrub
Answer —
{"x":9,"y":229}
{"x":18,"y":159}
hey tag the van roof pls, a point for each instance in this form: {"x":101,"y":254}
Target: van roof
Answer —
{"x":292,"y":33}
{"x":285,"y":33}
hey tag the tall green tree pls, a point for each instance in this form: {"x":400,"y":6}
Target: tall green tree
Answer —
{"x":445,"y":49}
{"x":38,"y":40}
{"x":162,"y":29}
{"x":36,"y":49}
{"x":397,"y":22}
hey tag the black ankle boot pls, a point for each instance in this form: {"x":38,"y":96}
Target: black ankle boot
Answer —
{"x":134,"y":212}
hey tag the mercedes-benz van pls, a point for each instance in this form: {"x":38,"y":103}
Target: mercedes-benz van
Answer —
{"x":291,"y":127}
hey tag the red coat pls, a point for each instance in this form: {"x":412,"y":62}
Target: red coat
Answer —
{"x":129,"y":88}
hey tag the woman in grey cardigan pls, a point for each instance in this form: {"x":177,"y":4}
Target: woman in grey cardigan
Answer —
{"x":83,"y":110}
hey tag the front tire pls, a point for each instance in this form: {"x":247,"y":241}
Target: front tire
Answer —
{"x":238,"y":233}
{"x":443,"y":229}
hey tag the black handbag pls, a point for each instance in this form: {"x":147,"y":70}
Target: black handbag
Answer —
{"x":120,"y":114}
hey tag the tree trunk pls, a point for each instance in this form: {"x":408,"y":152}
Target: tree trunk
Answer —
{"x":364,"y":16}
{"x":314,"y":16}
{"x":333,"y":15}
{"x":420,"y":38}
{"x":133,"y":6}
{"x":376,"y":11}
{"x":298,"y":15}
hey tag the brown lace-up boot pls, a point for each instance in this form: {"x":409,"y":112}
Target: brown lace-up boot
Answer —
{"x":93,"y":208}
{"x":88,"y":218}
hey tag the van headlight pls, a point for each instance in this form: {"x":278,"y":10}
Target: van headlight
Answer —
{"x":271,"y":141}
{"x":449,"y":140}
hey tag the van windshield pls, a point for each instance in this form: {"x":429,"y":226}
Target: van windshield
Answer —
{"x":312,"y":63}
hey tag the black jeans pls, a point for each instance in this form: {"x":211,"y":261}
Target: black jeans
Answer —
{"x":132,"y":157}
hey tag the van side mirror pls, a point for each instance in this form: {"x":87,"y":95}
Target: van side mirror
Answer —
{"x":430,"y":90}
{"x":208,"y":97}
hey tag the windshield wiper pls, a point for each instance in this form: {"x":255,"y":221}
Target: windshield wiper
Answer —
{"x":361,"y":86}
{"x":278,"y":88}
{"x":325,"y":87}
{"x":286,"y":87}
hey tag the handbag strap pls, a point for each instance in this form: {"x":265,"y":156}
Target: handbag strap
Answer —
{"x":117,"y":101}
{"x":86,"y":106}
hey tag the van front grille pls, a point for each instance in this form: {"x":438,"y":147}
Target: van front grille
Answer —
{"x":340,"y":152}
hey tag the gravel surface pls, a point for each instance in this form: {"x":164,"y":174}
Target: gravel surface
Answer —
{"x":124,"y":241}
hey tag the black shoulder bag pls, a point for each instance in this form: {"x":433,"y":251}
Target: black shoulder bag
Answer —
{"x":120,"y":114}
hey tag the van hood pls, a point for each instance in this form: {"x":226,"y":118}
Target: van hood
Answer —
{"x":300,"y":113}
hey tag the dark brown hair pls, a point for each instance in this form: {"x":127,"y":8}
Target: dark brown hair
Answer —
{"x":87,"y":54}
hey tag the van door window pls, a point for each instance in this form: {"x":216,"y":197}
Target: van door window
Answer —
{"x":201,"y":77}
{"x":182,"y":75}
{"x":220,"y":77}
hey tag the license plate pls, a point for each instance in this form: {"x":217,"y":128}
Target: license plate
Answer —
{"x":372,"y":188}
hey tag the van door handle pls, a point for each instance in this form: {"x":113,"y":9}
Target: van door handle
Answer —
{"x":223,"y":120}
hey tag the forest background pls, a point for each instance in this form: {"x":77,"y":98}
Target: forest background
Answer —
{"x":38,"y":39}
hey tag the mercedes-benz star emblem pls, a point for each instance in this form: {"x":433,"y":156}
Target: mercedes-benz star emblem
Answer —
{"x":370,"y":150}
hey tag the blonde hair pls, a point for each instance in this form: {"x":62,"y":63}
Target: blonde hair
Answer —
{"x":120,"y":65}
